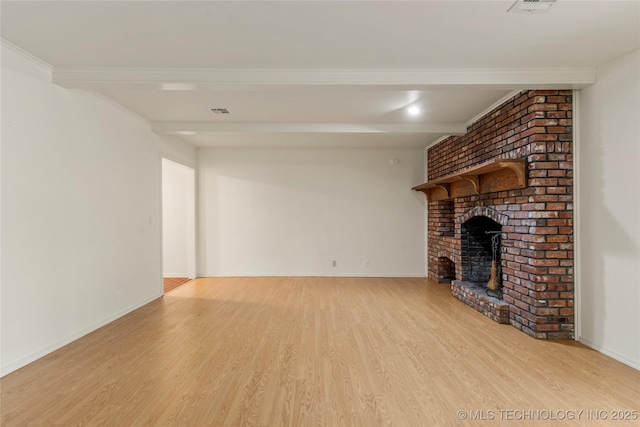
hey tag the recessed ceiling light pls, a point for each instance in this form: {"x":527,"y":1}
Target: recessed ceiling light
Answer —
{"x":219,"y":111}
{"x":414,"y":111}
{"x":531,"y":6}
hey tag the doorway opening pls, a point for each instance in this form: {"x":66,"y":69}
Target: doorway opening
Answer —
{"x":178,"y":224}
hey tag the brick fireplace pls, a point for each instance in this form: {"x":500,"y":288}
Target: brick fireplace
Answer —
{"x":511,"y":174}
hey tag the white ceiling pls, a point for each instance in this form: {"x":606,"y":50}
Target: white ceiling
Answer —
{"x":317,"y":73}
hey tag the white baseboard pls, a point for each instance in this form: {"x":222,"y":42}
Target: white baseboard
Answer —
{"x":374,"y":276}
{"x":4,"y":370}
{"x":614,"y":355}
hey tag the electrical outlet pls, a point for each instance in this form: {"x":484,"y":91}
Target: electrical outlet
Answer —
{"x":334,"y":263}
{"x":365,"y":264}
{"x":116,"y":296}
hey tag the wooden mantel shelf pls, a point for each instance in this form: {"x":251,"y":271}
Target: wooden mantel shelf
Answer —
{"x":494,"y":175}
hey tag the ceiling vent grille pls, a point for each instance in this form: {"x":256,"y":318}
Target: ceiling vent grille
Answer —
{"x":219,"y":111}
{"x":531,"y":6}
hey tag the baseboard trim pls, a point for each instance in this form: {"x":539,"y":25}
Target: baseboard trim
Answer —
{"x":14,"y":366}
{"x":373,"y":276}
{"x":614,"y":355}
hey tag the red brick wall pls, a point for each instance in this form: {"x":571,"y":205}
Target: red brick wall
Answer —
{"x":537,"y":247}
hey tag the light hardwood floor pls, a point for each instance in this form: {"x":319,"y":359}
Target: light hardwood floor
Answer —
{"x":171,"y":283}
{"x":317,"y":352}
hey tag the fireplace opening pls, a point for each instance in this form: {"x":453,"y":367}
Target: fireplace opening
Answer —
{"x":480,"y":255}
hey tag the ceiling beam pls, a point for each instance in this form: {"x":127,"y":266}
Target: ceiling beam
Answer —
{"x":186,"y":79}
{"x":185,"y":128}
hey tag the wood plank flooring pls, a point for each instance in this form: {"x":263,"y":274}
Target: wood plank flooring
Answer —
{"x":317,"y":352}
{"x":171,"y":283}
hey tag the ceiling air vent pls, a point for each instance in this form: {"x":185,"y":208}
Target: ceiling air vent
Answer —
{"x":220,"y":111}
{"x":531,"y":6}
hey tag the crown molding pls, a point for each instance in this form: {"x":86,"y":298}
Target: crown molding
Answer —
{"x":479,"y":116}
{"x":117,"y":105}
{"x":493,"y":107}
{"x":185,"y":128}
{"x":26,"y":55}
{"x":437,"y":141}
{"x":219,"y":79}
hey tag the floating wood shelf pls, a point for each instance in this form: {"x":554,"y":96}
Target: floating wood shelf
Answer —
{"x":494,"y":175}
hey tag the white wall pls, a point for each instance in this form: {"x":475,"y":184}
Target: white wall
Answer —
{"x":81,"y":236}
{"x":178,"y":220}
{"x":609,"y":209}
{"x":293,"y":211}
